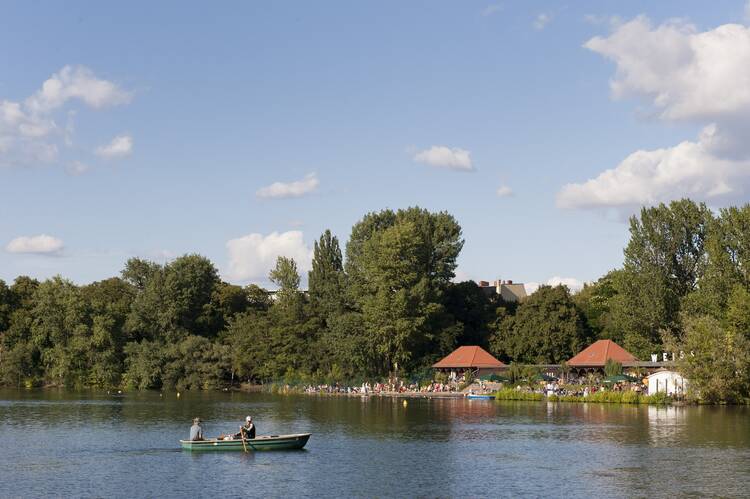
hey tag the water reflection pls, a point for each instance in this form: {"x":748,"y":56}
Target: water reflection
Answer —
{"x":93,"y":444}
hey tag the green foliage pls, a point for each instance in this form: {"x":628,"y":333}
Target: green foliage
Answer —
{"x":547,"y":328}
{"x":684,"y":286}
{"x":717,"y":360}
{"x":472,"y":310}
{"x":399,"y":265}
{"x":512,"y":394}
{"x":605,"y":397}
{"x":612,"y":368}
{"x":326,"y":280}
{"x":595,"y":302}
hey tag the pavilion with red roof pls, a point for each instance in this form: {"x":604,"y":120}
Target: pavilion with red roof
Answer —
{"x":470,"y":357}
{"x":598,"y":353}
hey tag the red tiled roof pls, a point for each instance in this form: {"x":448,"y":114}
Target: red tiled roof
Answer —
{"x":599,"y":352}
{"x":469,"y":356}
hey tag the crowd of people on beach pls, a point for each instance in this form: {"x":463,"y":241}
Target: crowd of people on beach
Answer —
{"x":580,"y":388}
{"x":391,"y":386}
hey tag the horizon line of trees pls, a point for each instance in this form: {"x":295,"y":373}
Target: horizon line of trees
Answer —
{"x":387,"y":304}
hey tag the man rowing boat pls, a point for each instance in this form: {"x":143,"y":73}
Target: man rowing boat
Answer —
{"x":247,"y":431}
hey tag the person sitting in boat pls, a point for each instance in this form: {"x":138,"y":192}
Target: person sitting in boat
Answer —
{"x":247,"y":430}
{"x":196,"y":431}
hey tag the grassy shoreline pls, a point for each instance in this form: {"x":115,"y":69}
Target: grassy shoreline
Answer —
{"x":604,"y":397}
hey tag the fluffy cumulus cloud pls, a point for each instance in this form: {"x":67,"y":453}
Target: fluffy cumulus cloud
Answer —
{"x":41,"y":244}
{"x":251,"y":257}
{"x":685,"y":75}
{"x":573,"y":284}
{"x":29,"y":132}
{"x":298,"y":188}
{"x":446,"y":157}
{"x":119,"y":147}
{"x":76,"y":82}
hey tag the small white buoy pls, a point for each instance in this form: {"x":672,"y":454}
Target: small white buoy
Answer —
{"x":405,"y":403}
{"x":178,"y":394}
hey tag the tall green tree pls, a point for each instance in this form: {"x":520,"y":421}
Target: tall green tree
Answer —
{"x":60,"y":331}
{"x":664,"y":261}
{"x":175,"y":301}
{"x":399,"y":265}
{"x":108,"y":304}
{"x":19,"y":358}
{"x":595,"y":303}
{"x":716,"y":360}
{"x":472,"y":310}
{"x":6,"y":306}
{"x":728,"y":255}
{"x":547,"y":328}
{"x":670,"y":241}
{"x":291,"y":338}
{"x":326,"y":279}
{"x":139,"y":272}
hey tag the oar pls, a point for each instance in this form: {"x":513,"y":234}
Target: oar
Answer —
{"x":242,"y":434}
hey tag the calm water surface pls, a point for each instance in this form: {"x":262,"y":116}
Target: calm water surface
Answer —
{"x":84,"y":444}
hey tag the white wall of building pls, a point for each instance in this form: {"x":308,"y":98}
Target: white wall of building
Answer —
{"x":667,"y":381}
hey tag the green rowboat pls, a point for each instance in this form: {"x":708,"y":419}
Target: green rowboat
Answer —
{"x":268,"y":442}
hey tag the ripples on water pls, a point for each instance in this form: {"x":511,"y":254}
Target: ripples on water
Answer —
{"x":94,"y":445}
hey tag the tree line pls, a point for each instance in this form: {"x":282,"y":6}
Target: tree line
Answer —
{"x":386,"y":304}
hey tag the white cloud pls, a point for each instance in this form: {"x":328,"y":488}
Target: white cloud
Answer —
{"x":542,"y":20}
{"x":504,"y":191}
{"x":41,"y":244}
{"x":649,"y":177}
{"x":573,"y":284}
{"x":252,"y":257}
{"x":76,"y":168}
{"x":119,"y":147}
{"x":280,"y":190}
{"x":686,"y":76}
{"x":461,"y":276}
{"x":76,"y":82}
{"x":491,"y":10}
{"x":445,"y":157}
{"x":29,"y":134}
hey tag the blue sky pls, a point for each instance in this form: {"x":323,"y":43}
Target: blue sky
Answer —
{"x":244,"y":130}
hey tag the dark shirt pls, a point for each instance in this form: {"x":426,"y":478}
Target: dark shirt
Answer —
{"x":249,"y":430}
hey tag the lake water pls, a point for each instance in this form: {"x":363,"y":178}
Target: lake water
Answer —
{"x":84,"y":444}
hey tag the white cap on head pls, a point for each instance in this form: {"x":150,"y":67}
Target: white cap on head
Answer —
{"x":248,"y":419}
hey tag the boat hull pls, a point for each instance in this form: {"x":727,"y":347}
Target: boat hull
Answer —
{"x":271,"y":442}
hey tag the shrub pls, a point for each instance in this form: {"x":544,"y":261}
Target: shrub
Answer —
{"x":510,"y":394}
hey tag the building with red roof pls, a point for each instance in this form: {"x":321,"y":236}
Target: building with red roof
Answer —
{"x":470,"y":357}
{"x":598,"y":353}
